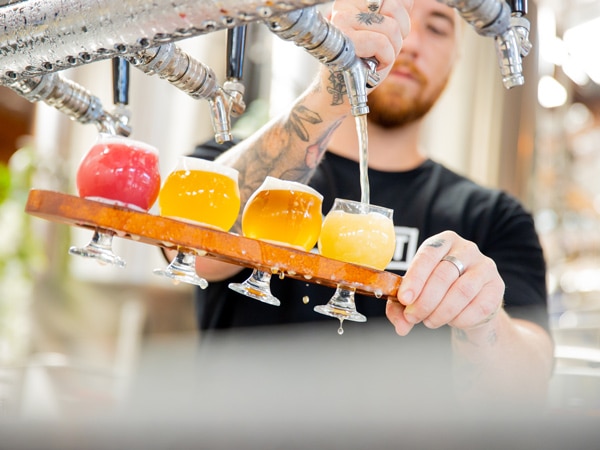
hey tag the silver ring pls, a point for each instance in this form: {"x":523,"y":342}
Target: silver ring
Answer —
{"x":454,"y":260}
{"x":374,"y":5}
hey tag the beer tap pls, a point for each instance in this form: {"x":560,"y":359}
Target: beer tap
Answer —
{"x":194,"y":78}
{"x":236,"y":46}
{"x":71,"y":99}
{"x":308,"y":29}
{"x":508,"y":27}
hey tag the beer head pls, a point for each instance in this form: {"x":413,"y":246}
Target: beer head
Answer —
{"x":205,"y":165}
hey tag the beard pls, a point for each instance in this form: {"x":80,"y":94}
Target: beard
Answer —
{"x":394,"y":105}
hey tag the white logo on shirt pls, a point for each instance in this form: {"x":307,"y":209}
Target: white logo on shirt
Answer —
{"x":406,"y":246}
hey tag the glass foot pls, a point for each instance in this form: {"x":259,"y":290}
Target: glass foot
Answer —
{"x":183,"y":269}
{"x":100,"y":249}
{"x":341,"y":306}
{"x":257,"y":286}
{"x":340,"y":313}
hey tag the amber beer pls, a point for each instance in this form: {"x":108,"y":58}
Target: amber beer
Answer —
{"x":358,"y":233}
{"x":201,"y":191}
{"x":284,"y":212}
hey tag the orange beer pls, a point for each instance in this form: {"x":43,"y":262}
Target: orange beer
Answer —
{"x":284,"y":212}
{"x":201,"y":191}
{"x":358,"y":233}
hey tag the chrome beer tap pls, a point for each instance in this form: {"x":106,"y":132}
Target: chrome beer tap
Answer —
{"x":308,"y":29}
{"x":192,"y":77}
{"x":71,"y":99}
{"x":508,"y":27}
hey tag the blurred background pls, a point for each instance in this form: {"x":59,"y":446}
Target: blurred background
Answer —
{"x":73,"y":333}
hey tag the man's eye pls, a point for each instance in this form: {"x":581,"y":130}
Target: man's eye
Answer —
{"x":439,"y":30}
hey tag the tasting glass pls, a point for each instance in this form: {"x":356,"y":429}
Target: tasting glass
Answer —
{"x":120,"y":171}
{"x":281,"y":212}
{"x":200,"y":192}
{"x":358,"y":233}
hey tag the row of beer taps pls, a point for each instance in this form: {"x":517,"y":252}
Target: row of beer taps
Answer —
{"x":43,"y":37}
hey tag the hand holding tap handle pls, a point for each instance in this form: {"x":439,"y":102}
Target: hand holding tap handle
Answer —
{"x":308,"y":29}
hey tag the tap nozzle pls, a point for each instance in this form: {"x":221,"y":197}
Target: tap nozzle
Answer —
{"x":509,"y":59}
{"x":71,"y":99}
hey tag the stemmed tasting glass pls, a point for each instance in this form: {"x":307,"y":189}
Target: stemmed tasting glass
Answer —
{"x":119,"y":171}
{"x":201,"y":192}
{"x":281,"y":212}
{"x":359,"y":233}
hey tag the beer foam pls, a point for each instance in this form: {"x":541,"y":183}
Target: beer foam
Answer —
{"x":274,"y":184}
{"x":106,"y":138}
{"x":205,"y":165}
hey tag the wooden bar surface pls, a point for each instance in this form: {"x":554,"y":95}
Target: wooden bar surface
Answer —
{"x":170,"y":233}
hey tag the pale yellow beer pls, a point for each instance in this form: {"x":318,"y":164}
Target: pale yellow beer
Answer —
{"x":361,"y":235}
{"x":201,"y":191}
{"x":284,"y":212}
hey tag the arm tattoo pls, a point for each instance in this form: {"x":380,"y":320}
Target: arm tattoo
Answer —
{"x":337,"y":87}
{"x":370,"y":18}
{"x":298,"y":116}
{"x":461,"y":335}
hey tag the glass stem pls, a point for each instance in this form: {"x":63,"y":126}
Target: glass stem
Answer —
{"x":183,"y":261}
{"x":102,"y":240}
{"x":344,"y":298}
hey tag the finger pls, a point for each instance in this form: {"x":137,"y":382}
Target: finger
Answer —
{"x":395,"y":314}
{"x":443,"y":286}
{"x":461,"y":293}
{"x":424,"y":262}
{"x":482,"y":309}
{"x":470,"y":298}
{"x":374,"y":34}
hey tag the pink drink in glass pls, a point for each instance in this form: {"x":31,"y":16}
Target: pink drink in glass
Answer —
{"x":121,"y":171}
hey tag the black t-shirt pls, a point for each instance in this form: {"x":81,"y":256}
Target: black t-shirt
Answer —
{"x":426,"y":201}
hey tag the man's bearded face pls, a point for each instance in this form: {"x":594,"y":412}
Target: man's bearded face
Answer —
{"x":394,"y":104}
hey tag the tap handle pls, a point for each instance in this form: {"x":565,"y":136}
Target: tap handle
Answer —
{"x":120,"y":68}
{"x":236,"y":43}
{"x":518,"y":6}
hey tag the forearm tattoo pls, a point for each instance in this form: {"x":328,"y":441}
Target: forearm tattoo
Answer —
{"x":461,"y":335}
{"x":370,"y":18}
{"x":337,"y":87}
{"x":299,"y":116}
{"x":276,"y":153}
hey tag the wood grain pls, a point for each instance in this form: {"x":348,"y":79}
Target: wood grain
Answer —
{"x":170,"y":233}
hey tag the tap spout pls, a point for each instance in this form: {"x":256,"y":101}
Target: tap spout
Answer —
{"x":71,"y":99}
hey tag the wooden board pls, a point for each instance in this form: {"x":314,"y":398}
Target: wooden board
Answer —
{"x":170,"y":233}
